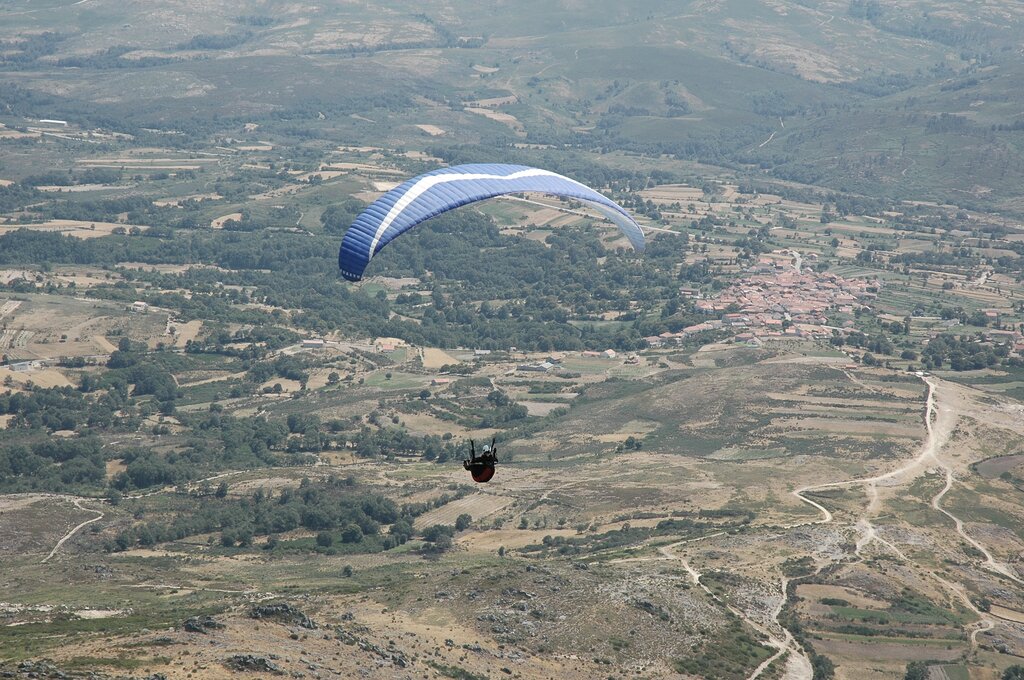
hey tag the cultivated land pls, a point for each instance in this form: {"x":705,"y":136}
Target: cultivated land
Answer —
{"x":786,"y":443}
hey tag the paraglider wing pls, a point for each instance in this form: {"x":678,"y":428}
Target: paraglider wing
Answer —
{"x":433,"y":193}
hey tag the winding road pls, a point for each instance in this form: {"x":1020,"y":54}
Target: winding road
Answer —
{"x":990,"y":562}
{"x":99,"y":514}
{"x":939,"y":424}
{"x":798,"y":666}
{"x":933,"y":440}
{"x":78,"y":504}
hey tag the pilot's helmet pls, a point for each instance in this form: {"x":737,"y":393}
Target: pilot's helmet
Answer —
{"x":487,"y":448}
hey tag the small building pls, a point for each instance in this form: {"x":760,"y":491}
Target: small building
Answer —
{"x":388,"y":344}
{"x":653,"y":341}
{"x":313,"y":343}
{"x":609,"y":353}
{"x":534,"y":368}
{"x":440,"y":381}
{"x":481,"y":352}
{"x":53,"y":121}
{"x":24,"y":366}
{"x":139,"y":307}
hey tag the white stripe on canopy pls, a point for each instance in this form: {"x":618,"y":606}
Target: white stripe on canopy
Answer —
{"x":425,"y":184}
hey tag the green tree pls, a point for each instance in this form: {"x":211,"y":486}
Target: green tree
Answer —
{"x":245,"y":536}
{"x":822,"y":667}
{"x":916,"y":670}
{"x":351,"y":534}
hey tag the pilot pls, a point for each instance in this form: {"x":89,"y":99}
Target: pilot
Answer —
{"x":481,"y":468}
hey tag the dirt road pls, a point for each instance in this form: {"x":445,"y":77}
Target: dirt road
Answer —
{"x":940,"y":422}
{"x":935,"y":438}
{"x":798,"y":666}
{"x":78,"y":504}
{"x":940,"y":435}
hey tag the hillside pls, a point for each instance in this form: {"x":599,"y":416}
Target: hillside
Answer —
{"x":898,"y":99}
{"x":783,"y":443}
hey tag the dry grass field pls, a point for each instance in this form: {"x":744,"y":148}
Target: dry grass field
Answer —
{"x":76,"y":228}
{"x":758,"y":468}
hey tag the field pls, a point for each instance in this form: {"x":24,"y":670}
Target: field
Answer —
{"x":583,"y":494}
{"x":784,"y":443}
{"x":734,"y":438}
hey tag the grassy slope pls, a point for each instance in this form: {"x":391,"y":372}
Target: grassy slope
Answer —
{"x":739,"y":65}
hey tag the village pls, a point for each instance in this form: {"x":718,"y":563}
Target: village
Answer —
{"x":776,"y":301}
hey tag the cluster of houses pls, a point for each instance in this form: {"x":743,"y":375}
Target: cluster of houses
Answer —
{"x":1014,"y":337}
{"x":777,"y":303}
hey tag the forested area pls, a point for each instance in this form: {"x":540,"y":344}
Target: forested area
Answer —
{"x":348,"y":518}
{"x":962,"y":353}
{"x":489,"y":290}
{"x":138,"y":390}
{"x":334,"y":504}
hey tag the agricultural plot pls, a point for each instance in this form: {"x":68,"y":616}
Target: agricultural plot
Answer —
{"x":478,"y":506}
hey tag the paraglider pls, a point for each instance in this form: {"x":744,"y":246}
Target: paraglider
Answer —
{"x":481,"y":467}
{"x":439,"y":191}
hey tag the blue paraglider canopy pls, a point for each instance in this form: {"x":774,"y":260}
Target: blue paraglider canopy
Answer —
{"x":433,"y":193}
